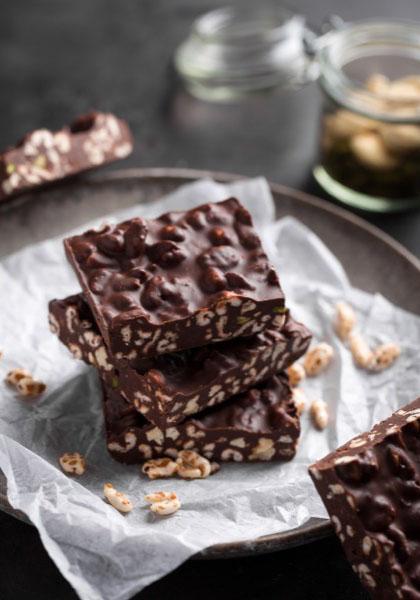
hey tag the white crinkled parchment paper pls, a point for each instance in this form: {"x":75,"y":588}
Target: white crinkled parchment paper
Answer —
{"x":105,"y":555}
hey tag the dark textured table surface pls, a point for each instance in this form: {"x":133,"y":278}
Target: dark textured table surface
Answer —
{"x":61,"y":58}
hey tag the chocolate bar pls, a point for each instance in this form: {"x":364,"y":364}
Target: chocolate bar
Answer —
{"x":44,"y":156}
{"x":180,"y":281}
{"x":170,"y":387}
{"x":258,"y":425}
{"x":371,"y":489}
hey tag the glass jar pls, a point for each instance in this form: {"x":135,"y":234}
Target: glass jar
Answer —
{"x":369,"y":73}
{"x":370,"y":125}
{"x":244,"y":48}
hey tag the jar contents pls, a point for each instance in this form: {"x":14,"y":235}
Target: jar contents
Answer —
{"x":376,"y":157}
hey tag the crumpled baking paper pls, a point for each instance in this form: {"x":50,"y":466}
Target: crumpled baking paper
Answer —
{"x":105,"y":555}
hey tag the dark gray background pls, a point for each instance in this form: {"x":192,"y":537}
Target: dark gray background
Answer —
{"x":59,"y":58}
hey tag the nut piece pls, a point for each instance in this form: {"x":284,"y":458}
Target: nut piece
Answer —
{"x":159,"y":496}
{"x":318,"y":359}
{"x":362,"y":354}
{"x":296,"y":374}
{"x":13,"y":377}
{"x":403,"y":90}
{"x":159,"y":468}
{"x":400,"y":138}
{"x":319,"y":414}
{"x":299,"y":398}
{"x":73,"y":463}
{"x":345,"y":320}
{"x":30,"y":387}
{"x":384,"y":356}
{"x":192,"y":466}
{"x":166,"y":507}
{"x":369,"y":149}
{"x":377,"y":84}
{"x":117,"y":499}
{"x":343,"y":124}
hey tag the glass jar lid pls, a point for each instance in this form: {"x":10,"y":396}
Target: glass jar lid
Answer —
{"x":236,"y":50}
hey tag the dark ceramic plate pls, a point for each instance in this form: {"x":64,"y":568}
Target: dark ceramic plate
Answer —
{"x":373,"y":261}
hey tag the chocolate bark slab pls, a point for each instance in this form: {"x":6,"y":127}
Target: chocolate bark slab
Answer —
{"x":45,"y":156}
{"x":371,"y":489}
{"x":258,"y":425}
{"x":180,"y":281}
{"x":170,"y":387}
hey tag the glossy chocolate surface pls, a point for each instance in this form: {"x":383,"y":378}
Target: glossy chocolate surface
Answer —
{"x":371,"y":488}
{"x":179,"y":281}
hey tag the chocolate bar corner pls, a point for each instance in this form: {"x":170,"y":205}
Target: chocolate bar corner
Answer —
{"x":371,"y":489}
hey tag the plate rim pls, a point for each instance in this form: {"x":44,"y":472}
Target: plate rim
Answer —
{"x":313,"y":529}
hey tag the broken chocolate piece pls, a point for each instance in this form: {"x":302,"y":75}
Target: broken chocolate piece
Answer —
{"x":371,"y":489}
{"x":44,"y":156}
{"x":258,"y":425}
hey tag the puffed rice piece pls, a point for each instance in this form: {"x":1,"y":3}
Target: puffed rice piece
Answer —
{"x":30,"y":387}
{"x":72,"y":463}
{"x":318,"y":359}
{"x":192,"y":466}
{"x":159,"y":496}
{"x":362,"y":354}
{"x":15,"y":375}
{"x":384,"y":356}
{"x":159,"y":468}
{"x":117,"y":499}
{"x":299,"y":398}
{"x":296,"y":374}
{"x":24,"y":383}
{"x":345,"y":320}
{"x":166,"y":507}
{"x":319,"y":414}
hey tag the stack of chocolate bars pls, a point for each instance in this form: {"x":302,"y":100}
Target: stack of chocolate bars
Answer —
{"x":185,"y":320}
